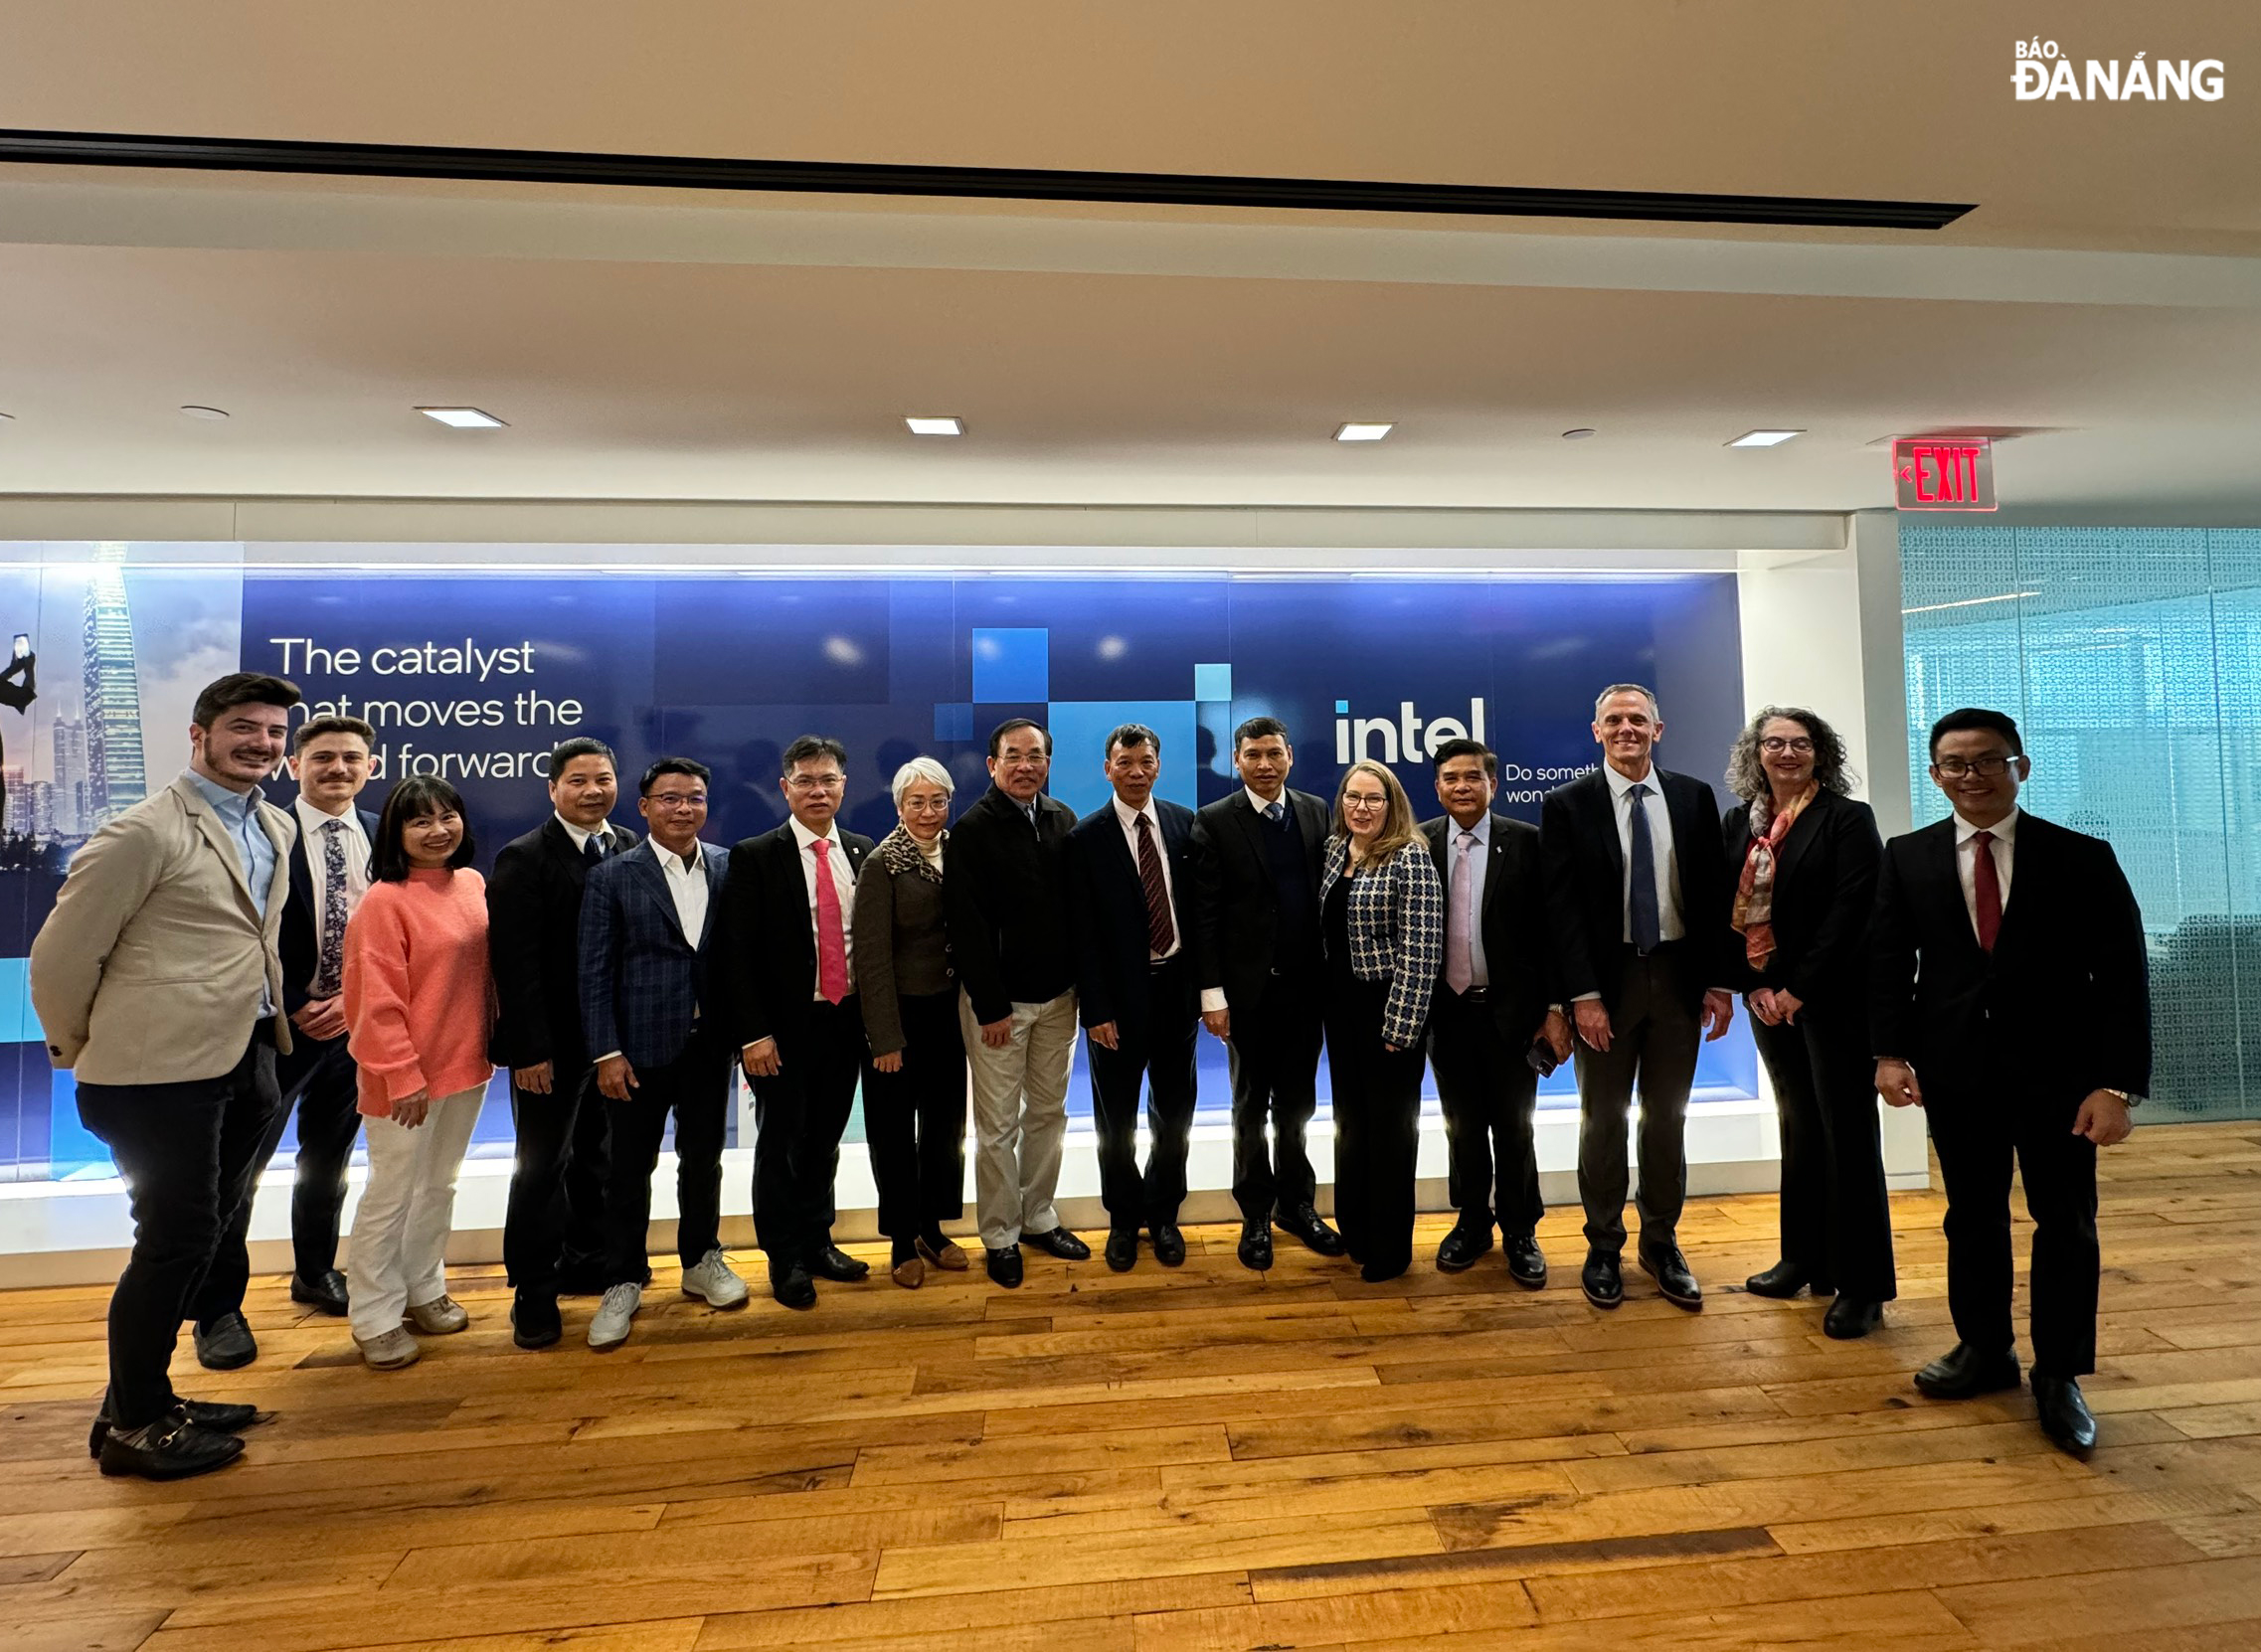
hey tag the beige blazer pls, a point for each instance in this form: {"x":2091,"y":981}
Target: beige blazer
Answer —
{"x":148,"y":970}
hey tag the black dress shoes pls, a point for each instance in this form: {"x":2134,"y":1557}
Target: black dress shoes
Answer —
{"x":534,"y":1320}
{"x":1169,"y":1244}
{"x":2065,"y":1416}
{"x":790,"y":1285}
{"x":1256,"y":1247}
{"x":1784,"y":1279}
{"x":1664,"y":1264}
{"x":1461,"y":1247}
{"x":1064,"y":1244}
{"x":1600,"y":1281}
{"x":1380,"y":1269}
{"x":171,"y":1448}
{"x":1121,"y":1249}
{"x":1004,"y":1267}
{"x":221,"y":1416}
{"x":1961,"y":1372}
{"x":324,"y":1293}
{"x":1306,"y":1225}
{"x":1850,"y":1316}
{"x":225,"y":1344}
{"x":831,"y":1262}
{"x":1527,"y":1263}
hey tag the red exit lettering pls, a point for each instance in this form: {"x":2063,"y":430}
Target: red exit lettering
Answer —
{"x":1932,"y":474}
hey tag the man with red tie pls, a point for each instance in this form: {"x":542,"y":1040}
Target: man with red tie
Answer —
{"x":2009,"y":1001}
{"x":800,"y":1034}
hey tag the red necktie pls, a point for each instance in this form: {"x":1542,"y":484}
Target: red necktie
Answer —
{"x":831,"y":938}
{"x":1161,"y":934}
{"x":1986,"y":887}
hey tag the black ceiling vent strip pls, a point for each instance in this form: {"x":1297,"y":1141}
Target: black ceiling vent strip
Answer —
{"x":543,"y":166}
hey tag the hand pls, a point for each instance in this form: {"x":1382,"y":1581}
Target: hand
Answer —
{"x":1105,"y":1036}
{"x":1556,"y":1030}
{"x":535,"y":1080}
{"x":1218,"y":1023}
{"x":615,"y":1077}
{"x":1896,"y":1083}
{"x":2103,"y":1119}
{"x":762,"y":1058}
{"x":1718,"y":1013}
{"x":321,"y":1018}
{"x":409,"y":1112}
{"x":999,"y":1034}
{"x":1388,"y":1048}
{"x":891,"y":1061}
{"x":1593,"y":1023}
{"x":1786,"y":1004}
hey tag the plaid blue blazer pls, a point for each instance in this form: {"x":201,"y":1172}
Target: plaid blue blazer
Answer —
{"x":1397,"y":931}
{"x":640,"y":975}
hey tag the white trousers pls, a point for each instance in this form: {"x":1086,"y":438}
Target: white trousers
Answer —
{"x":398,"y":1254}
{"x":1020,"y":1117}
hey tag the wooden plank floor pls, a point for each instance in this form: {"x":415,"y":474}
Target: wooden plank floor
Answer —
{"x":1195,"y":1459}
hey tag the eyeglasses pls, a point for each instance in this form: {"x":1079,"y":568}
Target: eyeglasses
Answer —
{"x":816,"y":782}
{"x":677,"y":800}
{"x":1986,"y":768}
{"x":1775,"y":744}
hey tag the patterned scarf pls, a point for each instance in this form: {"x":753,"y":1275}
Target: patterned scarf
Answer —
{"x":1754,"y":891}
{"x":899,"y":853}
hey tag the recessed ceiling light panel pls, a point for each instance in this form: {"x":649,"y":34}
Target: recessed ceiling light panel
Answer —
{"x":463,"y":418}
{"x":196,"y":411}
{"x":1764,"y":438}
{"x":935,"y":426}
{"x":1363,"y":432}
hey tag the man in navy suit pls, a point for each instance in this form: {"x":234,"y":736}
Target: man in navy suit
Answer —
{"x":329,"y":873}
{"x":649,"y":1011}
{"x":1130,"y":888}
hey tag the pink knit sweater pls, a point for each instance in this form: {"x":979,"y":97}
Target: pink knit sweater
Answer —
{"x":417,"y":999}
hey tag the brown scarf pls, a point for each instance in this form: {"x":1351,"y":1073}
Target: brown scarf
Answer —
{"x":1754,"y":891}
{"x":899,"y":854}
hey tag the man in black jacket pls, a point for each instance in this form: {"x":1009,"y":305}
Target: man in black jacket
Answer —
{"x":1257,"y":860}
{"x":1006,"y":902}
{"x":554,"y":1233}
{"x":2009,"y":1000}
{"x":786,"y":953}
{"x":1639,"y":900}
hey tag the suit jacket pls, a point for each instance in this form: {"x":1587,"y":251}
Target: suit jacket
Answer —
{"x":1397,"y":933}
{"x":301,"y":950}
{"x":1824,"y":893}
{"x":1583,"y":869}
{"x":642,"y":977}
{"x":1112,"y":947}
{"x":150,"y":967}
{"x":769,"y":943}
{"x":1236,"y":916}
{"x":2065,"y":993}
{"x":1518,"y":955}
{"x":534,"y":938}
{"x":1005,"y":903}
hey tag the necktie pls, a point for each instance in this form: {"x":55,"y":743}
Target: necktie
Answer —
{"x":1161,"y":934}
{"x":591,"y":849}
{"x":1460,"y":920}
{"x":831,"y":938}
{"x":1275,"y":811}
{"x":1648,"y":928}
{"x":330,"y":972}
{"x":1985,"y":889}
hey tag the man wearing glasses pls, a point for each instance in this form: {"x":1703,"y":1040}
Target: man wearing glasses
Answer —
{"x":800,"y":1035}
{"x":2009,"y":1000}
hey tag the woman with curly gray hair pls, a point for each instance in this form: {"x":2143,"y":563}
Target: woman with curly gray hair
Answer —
{"x":1803,"y":857}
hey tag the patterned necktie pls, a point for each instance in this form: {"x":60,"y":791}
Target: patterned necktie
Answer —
{"x":1647,"y":928}
{"x":831,"y":935}
{"x":329,"y":974}
{"x":1985,"y":889}
{"x":1459,"y":921}
{"x":591,"y":849}
{"x":1275,"y":811}
{"x":1161,"y":934}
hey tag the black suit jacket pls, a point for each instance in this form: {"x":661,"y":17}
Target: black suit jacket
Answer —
{"x":1824,"y":893}
{"x":1236,"y":916}
{"x":2065,"y":993}
{"x":1585,"y":884}
{"x":768,"y":943}
{"x":1112,"y":948}
{"x":1005,"y":901}
{"x":534,"y":943}
{"x":1518,"y":955}
{"x":299,"y":949}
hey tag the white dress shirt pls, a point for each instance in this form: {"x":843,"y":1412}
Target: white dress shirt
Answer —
{"x":1668,"y":922}
{"x":2005,"y":849}
{"x":687,"y":884}
{"x":581,"y":834}
{"x":1478,"y":858}
{"x":844,"y":883}
{"x":1128,"y":818}
{"x":312,"y":822}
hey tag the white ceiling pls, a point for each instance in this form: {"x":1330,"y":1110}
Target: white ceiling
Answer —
{"x":2105,"y":296}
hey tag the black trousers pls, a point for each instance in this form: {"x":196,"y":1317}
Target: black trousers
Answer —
{"x":800,"y":1112}
{"x":1274,"y":1056}
{"x":915,"y":1121}
{"x":1836,"y":1221}
{"x":695,"y":1086}
{"x":1377,"y":1125}
{"x":1655,"y":1030}
{"x":1155,"y":1052}
{"x":555,"y":1222}
{"x":1980,"y":1128}
{"x":319,"y":1079}
{"x":189,"y":1156}
{"x":1490,"y":1094}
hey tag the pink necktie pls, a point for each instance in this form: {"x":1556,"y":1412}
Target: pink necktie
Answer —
{"x":831,"y":938}
{"x":1460,"y":925}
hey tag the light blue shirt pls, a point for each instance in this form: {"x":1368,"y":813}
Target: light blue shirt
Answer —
{"x":240,"y":814}
{"x":1479,"y":867}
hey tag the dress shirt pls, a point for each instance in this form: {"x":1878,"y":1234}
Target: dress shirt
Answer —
{"x":311,"y":824}
{"x":581,"y":834}
{"x":843,"y":881}
{"x":687,"y":886}
{"x":2005,"y":847}
{"x":239,"y":814}
{"x":1668,"y":922}
{"x":1128,"y":818}
{"x":1479,"y":865}
{"x":1260,"y":805}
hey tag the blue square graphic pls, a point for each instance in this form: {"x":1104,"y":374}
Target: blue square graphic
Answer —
{"x":1343,"y":708}
{"x":954,"y":721}
{"x":1011,"y":664}
{"x":1212,"y":683}
{"x":1079,"y":748}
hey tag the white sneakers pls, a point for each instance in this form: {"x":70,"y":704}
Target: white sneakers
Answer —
{"x":439,"y":1317}
{"x":393,"y":1351}
{"x":712,"y":1279}
{"x":609,"y":1328}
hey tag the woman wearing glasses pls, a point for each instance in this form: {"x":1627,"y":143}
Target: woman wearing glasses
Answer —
{"x":1804,"y":855}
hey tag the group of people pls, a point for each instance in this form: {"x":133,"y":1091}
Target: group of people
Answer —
{"x":214,"y":963}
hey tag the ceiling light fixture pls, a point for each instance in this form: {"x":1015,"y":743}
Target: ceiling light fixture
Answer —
{"x":463,"y":418}
{"x":1764,"y":438}
{"x":195,"y":411}
{"x":1363,"y":432}
{"x":1579,"y":434}
{"x":936,"y":426}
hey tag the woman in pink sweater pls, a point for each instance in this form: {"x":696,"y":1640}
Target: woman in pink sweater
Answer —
{"x":417,"y":1010}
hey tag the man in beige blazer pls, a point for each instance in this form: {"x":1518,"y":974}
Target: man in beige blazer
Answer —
{"x":157,"y":979}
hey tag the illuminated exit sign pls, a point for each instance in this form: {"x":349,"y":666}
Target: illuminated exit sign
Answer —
{"x":1943,"y":473}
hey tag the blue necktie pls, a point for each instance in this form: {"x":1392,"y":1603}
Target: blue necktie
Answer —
{"x":1648,"y":929}
{"x":1275,"y":811}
